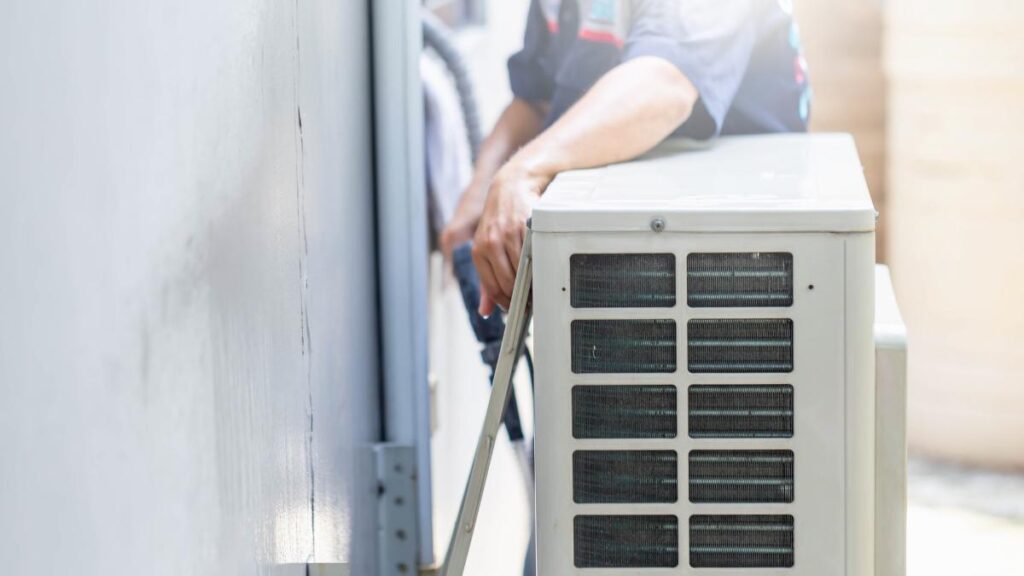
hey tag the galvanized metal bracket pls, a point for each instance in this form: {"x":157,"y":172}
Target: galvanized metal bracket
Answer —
{"x":396,"y":509}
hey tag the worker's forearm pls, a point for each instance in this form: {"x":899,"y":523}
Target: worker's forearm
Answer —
{"x":518,"y":124}
{"x":626,"y":113}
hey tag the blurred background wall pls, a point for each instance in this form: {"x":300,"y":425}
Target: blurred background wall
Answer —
{"x":187,"y":305}
{"x":931,"y":91}
{"x":956,"y":205}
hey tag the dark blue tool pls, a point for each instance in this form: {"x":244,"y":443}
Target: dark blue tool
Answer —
{"x":488,"y":331}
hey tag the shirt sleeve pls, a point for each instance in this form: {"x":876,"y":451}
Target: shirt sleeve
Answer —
{"x":710,"y":41}
{"x":530,"y":75}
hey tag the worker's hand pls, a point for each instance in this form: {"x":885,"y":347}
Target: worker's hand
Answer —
{"x":501,"y":231}
{"x":462,"y":225}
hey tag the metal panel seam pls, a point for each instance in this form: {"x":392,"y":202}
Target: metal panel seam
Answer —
{"x":846,"y":408}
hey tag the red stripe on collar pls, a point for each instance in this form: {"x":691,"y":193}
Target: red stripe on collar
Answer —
{"x":601,"y":36}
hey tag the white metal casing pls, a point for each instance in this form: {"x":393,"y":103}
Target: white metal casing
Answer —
{"x":799,"y":194}
{"x":890,"y":430}
{"x":774,"y":183}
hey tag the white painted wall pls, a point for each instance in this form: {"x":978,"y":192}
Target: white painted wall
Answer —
{"x":187,"y":342}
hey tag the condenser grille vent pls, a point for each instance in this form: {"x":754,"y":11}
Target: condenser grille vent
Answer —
{"x":624,"y":476}
{"x":622,"y":280}
{"x":626,"y":541}
{"x":748,"y":279}
{"x":636,"y":411}
{"x":623,"y":346}
{"x":756,"y":345}
{"x":755,"y":541}
{"x":741,"y":411}
{"x":741,"y":476}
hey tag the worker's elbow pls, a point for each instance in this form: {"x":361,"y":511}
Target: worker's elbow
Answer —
{"x":682,"y":95}
{"x":677,"y":96}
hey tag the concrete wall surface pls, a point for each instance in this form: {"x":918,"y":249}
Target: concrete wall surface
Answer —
{"x":188,"y":357}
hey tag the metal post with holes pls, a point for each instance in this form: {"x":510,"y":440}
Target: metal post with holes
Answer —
{"x":396,"y":509}
{"x":402,"y":248}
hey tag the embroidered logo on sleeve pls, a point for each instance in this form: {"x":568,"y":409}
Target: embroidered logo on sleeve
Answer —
{"x":605,"y":21}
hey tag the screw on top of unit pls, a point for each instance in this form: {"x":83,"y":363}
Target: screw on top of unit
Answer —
{"x":658,"y":224}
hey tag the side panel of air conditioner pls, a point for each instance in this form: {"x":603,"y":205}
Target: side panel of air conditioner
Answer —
{"x":890,"y":430}
{"x":859,"y":364}
{"x":776,"y":413}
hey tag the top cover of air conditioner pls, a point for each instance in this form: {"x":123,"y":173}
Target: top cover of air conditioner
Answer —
{"x":704,"y":362}
{"x":776,"y":183}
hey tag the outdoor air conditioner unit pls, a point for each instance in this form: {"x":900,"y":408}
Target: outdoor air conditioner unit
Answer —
{"x":705,"y":366}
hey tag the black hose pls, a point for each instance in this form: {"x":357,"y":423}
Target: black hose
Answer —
{"x":437,"y":37}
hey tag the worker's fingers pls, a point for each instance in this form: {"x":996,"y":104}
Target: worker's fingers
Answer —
{"x":488,"y":278}
{"x":505,"y":273}
{"x":490,"y":246}
{"x":511,"y":249}
{"x":483,"y":270}
{"x":498,"y":243}
{"x":455,"y":234}
{"x":514,"y":248}
{"x":447,"y":243}
{"x":486,"y":304}
{"x":505,"y":276}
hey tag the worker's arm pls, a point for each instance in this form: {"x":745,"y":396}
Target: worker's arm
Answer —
{"x":626,"y":113}
{"x":518,"y":124}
